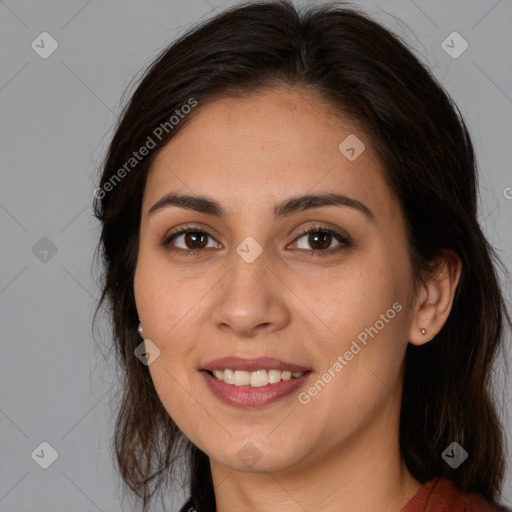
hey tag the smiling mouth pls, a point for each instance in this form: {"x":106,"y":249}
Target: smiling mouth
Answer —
{"x":257,"y":378}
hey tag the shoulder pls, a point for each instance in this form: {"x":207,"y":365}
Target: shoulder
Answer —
{"x":441,"y":495}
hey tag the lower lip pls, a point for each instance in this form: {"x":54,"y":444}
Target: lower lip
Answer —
{"x":248,"y":396}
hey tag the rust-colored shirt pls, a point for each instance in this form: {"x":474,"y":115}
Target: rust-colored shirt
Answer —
{"x":441,"y":495}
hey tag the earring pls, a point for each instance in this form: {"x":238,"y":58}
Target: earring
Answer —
{"x":423,"y":330}
{"x":139,"y":328}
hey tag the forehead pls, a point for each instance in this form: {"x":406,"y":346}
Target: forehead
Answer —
{"x":252,"y":151}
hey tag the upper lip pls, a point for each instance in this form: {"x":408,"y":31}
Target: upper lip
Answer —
{"x":250,"y":365}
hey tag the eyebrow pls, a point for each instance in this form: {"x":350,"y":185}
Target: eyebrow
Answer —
{"x":209,"y":206}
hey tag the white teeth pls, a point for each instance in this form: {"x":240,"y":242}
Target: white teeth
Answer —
{"x":257,"y":378}
{"x":229,"y":376}
{"x":274,"y":376}
{"x":241,"y":378}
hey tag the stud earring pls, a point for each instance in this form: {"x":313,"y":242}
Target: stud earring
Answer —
{"x":423,"y":330}
{"x":139,"y":328}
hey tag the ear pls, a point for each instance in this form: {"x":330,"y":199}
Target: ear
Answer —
{"x":435,"y":298}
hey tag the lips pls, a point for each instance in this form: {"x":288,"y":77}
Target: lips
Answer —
{"x":254,"y":394}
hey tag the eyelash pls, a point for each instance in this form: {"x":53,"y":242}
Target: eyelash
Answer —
{"x":344,"y":240}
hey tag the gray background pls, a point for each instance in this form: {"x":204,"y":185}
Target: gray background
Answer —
{"x":56,"y":117}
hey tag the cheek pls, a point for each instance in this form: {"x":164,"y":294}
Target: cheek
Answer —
{"x":169,"y":299}
{"x":346,"y":299}
{"x":171,"y":308}
{"x":360,"y":369}
{"x":363,"y":332}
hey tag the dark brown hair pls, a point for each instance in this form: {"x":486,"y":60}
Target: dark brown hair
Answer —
{"x":369,"y":75}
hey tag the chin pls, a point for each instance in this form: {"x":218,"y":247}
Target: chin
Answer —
{"x":253,"y":456}
{"x":265,"y":464}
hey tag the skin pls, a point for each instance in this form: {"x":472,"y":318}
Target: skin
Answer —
{"x":340,"y":451}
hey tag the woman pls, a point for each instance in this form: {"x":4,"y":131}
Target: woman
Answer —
{"x":304,"y":306}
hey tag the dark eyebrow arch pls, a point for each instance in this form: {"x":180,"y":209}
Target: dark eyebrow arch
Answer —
{"x":206,"y":205}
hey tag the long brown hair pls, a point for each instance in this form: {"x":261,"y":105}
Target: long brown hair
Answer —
{"x":369,"y":75}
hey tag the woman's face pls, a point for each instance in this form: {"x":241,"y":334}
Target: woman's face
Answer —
{"x":334,"y":305}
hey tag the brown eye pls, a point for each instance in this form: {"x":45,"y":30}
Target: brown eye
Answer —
{"x":189,"y":241}
{"x":321,"y":241}
{"x":195,"y":239}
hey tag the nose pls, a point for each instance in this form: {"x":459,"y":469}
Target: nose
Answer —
{"x":251,"y":300}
